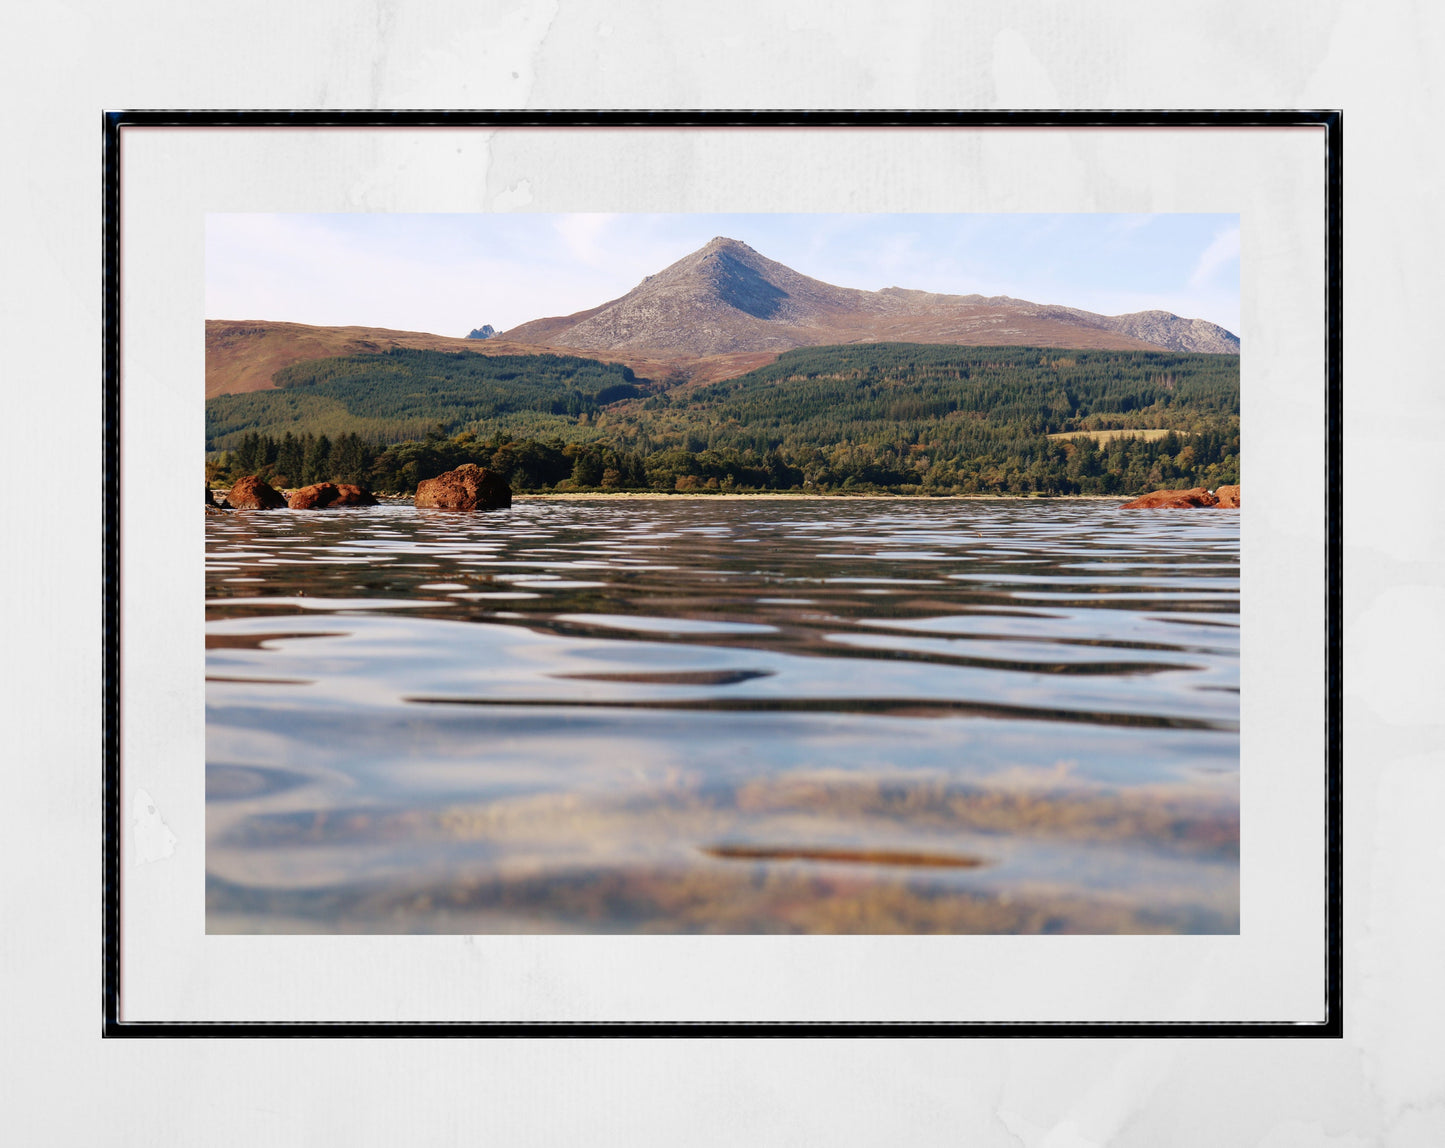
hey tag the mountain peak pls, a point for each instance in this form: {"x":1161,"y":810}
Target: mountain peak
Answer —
{"x":725,"y":297}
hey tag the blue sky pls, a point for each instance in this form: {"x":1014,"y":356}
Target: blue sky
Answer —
{"x":449,"y":273}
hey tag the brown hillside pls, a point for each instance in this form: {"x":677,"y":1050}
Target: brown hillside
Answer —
{"x":242,"y":355}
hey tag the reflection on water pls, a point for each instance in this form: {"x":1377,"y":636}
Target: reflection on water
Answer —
{"x":710,"y":715}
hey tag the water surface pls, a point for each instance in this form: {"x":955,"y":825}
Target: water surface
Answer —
{"x":718,"y":715}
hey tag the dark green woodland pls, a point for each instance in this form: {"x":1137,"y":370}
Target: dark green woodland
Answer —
{"x":887,"y":417}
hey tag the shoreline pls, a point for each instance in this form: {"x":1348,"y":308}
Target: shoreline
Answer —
{"x":758,"y":496}
{"x":790,"y":496}
{"x":1138,"y":501}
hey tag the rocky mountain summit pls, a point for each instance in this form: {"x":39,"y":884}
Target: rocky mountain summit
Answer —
{"x":726,"y":298}
{"x":1164,"y":329}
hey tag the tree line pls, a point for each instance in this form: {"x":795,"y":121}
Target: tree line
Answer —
{"x":1077,"y":466}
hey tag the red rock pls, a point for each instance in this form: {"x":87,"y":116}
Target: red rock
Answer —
{"x":469,"y":487}
{"x":313,"y":497}
{"x":252,"y":493}
{"x":349,"y":495}
{"x":324,"y":494}
{"x":1228,"y":497}
{"x":1172,"y":500}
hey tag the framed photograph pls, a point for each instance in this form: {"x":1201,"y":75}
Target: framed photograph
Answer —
{"x":723,"y":573}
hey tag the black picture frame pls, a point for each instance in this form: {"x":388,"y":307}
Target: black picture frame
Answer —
{"x":113,"y":122}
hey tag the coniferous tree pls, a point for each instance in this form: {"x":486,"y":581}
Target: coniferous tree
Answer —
{"x":289,"y":461}
{"x":317,"y":464}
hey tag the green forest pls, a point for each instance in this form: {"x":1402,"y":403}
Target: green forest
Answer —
{"x":402,"y":393}
{"x":901,"y":418}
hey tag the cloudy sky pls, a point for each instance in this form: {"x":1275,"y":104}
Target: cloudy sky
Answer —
{"x":449,"y":273}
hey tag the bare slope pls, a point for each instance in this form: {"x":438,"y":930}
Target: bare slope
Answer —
{"x":726,"y":298}
{"x":242,"y":356}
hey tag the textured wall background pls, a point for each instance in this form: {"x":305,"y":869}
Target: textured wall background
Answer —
{"x":1383,"y":1084}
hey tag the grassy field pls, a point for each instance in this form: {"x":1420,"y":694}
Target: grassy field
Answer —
{"x":1111,"y":435}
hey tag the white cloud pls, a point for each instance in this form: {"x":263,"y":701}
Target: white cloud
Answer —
{"x":316,"y":270}
{"x":1223,"y":250}
{"x":586,"y":236}
{"x":1128,"y":224}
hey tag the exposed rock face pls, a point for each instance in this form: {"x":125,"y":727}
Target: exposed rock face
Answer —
{"x":726,"y":298}
{"x":1172,"y":500}
{"x":323,"y":494}
{"x":1228,"y":497}
{"x":469,"y":487}
{"x":485,"y":331}
{"x":252,"y":493}
{"x":1165,"y":329}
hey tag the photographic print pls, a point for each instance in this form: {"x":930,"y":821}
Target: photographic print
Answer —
{"x":722,"y":573}
{"x":754,"y":573}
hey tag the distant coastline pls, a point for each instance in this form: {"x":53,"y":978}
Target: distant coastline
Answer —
{"x":759,"y":496}
{"x":797,"y":496}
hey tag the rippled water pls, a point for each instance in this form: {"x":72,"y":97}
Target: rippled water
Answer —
{"x":718,"y":715}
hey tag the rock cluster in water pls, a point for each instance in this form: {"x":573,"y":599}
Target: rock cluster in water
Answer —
{"x":1225,"y":498}
{"x":469,"y":487}
{"x":254,"y":493}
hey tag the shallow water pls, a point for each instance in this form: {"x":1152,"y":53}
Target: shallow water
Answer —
{"x":714,"y":715}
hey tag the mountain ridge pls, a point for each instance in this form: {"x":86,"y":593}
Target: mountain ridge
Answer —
{"x":726,"y":298}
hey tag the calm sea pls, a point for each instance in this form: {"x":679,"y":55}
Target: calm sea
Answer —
{"x":724,"y":715}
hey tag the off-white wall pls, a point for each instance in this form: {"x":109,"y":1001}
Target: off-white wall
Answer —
{"x":1381,"y":1085}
